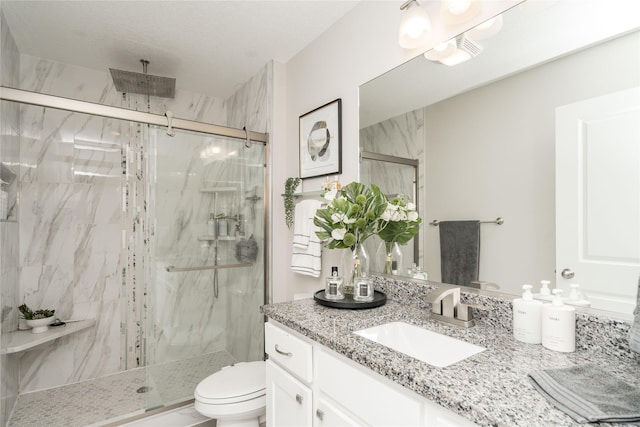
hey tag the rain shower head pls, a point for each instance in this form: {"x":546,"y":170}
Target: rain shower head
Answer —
{"x":143,"y":83}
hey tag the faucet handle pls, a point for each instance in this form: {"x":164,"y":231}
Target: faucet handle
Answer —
{"x":464,"y":312}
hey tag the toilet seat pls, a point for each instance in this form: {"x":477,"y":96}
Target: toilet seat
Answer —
{"x":233,"y":384}
{"x":234,"y":395}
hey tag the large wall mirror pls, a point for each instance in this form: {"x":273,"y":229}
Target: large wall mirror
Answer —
{"x":542,"y":129}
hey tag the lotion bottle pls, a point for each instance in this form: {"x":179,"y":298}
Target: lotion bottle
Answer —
{"x":559,"y":325}
{"x":576,"y":297}
{"x":211,"y":226}
{"x":527,"y":316}
{"x":545,"y":292}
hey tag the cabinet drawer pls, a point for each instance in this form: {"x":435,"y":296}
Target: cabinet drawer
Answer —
{"x":290,"y":352}
{"x":328,"y":415}
{"x":375,"y":401}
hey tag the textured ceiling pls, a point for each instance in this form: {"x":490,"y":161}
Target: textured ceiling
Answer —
{"x":210,"y":47}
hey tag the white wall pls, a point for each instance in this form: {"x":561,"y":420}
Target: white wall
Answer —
{"x":356,"y":49}
{"x":491,"y":152}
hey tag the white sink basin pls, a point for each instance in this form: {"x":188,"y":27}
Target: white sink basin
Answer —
{"x":430,"y":347}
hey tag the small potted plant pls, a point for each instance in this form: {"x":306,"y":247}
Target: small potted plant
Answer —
{"x":290,"y":186}
{"x":38,"y":320}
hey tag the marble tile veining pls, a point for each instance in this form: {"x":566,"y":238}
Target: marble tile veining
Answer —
{"x":490,"y":388}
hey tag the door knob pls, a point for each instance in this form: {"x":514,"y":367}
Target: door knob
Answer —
{"x":568,"y":273}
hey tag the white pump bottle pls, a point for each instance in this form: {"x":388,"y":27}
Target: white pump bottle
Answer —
{"x":527,"y":314}
{"x":559,"y":325}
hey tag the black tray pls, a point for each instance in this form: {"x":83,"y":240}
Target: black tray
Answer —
{"x":379,"y":299}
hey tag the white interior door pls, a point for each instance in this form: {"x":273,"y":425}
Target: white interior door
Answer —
{"x":598,"y":198}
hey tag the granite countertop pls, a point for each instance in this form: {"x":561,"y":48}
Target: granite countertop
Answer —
{"x":490,"y":388}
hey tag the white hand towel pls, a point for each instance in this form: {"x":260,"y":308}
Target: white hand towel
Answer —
{"x":301,"y":223}
{"x":306,"y":257}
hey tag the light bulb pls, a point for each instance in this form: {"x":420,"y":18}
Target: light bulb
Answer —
{"x":456,"y":12}
{"x":487,"y":29}
{"x":458,"y":7}
{"x":415,"y":27}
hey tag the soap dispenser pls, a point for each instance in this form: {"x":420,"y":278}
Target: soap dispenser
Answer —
{"x":527,"y":315}
{"x":559,"y":325}
{"x":576,"y":297}
{"x":545,"y":292}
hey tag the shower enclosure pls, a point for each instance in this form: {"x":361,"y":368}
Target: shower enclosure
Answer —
{"x":150,"y":246}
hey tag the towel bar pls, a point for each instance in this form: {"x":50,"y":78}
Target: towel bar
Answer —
{"x":498,"y":221}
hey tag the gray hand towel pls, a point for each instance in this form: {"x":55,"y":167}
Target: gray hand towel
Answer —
{"x":459,"y":251}
{"x":588,"y":394}
{"x":634,"y":338}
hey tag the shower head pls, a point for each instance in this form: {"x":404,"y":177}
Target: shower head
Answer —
{"x":143,"y":83}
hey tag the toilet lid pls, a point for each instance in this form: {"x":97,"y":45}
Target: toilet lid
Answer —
{"x":239,"y":382}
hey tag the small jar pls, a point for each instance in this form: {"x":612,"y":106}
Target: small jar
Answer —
{"x":363,"y":289}
{"x":334,"y":289}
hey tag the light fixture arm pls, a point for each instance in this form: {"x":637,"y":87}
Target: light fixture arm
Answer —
{"x":406,"y":4}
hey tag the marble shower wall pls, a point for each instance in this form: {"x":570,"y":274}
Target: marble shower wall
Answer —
{"x":9,"y":159}
{"x":76,"y":254}
{"x":401,"y":136}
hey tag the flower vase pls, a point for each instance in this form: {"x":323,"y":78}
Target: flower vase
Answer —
{"x":392,"y":257}
{"x":357,"y":266}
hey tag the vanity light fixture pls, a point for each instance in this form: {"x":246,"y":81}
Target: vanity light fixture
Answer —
{"x":454,"y":12}
{"x":415,"y":26}
{"x":488,"y":28}
{"x":454,"y":51}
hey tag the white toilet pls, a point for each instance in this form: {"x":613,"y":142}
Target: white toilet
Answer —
{"x":235,"y":396}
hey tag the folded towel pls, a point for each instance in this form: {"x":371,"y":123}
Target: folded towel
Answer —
{"x":306,"y":256}
{"x":459,"y":251}
{"x":302,"y":227}
{"x":634,"y":339}
{"x":588,"y":394}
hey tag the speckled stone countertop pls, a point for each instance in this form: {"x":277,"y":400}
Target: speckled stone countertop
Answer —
{"x":490,"y":388}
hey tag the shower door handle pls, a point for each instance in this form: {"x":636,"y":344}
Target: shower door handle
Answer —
{"x":284,"y":353}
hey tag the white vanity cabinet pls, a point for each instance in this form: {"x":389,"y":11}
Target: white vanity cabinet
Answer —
{"x":289,"y":374}
{"x":324,"y":389}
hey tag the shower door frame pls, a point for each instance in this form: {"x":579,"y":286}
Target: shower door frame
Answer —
{"x":84,"y":107}
{"x":415,"y":164}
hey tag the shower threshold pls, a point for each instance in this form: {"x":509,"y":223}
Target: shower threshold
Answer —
{"x":112,"y":399}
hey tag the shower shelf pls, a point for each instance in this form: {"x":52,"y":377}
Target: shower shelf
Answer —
{"x":18,"y":341}
{"x":219,"y":238}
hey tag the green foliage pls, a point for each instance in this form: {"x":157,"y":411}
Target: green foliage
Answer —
{"x":33,"y":315}
{"x":399,"y":222}
{"x":351,"y":217}
{"x":289,"y":200}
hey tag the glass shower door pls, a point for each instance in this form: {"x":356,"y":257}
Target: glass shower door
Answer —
{"x":394,"y":175}
{"x":205,"y":280}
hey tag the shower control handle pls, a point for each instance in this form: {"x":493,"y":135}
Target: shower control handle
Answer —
{"x":284,"y":353}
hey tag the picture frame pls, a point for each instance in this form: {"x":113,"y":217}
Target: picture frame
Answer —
{"x":321,"y":140}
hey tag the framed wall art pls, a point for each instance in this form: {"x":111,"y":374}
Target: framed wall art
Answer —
{"x":321,"y":141}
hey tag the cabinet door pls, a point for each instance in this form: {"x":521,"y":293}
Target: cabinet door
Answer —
{"x":370,"y":397}
{"x":328,"y":415}
{"x":289,"y":402}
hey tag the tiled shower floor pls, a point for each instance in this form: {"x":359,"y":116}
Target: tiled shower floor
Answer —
{"x":106,"y":399}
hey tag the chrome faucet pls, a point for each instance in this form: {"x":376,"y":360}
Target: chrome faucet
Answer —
{"x":446,"y":306}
